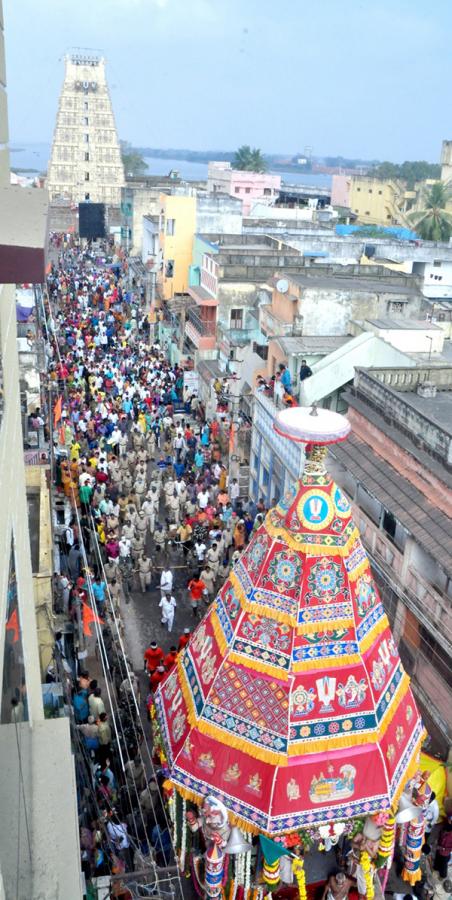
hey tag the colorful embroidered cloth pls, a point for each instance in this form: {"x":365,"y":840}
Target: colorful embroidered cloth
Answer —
{"x":290,"y":703}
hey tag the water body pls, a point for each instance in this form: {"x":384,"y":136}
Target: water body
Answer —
{"x":197,"y":171}
{"x":36,"y":156}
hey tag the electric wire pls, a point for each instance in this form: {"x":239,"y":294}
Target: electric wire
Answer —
{"x":98,"y":632}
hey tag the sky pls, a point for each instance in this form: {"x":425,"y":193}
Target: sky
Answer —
{"x":367,"y":79}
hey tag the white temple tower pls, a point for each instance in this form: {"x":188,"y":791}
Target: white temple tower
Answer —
{"x":86,"y":158}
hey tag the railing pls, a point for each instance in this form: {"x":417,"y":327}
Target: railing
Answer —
{"x":204,"y":327}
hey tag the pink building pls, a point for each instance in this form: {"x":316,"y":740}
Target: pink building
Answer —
{"x":340,"y":190}
{"x":247,"y":186}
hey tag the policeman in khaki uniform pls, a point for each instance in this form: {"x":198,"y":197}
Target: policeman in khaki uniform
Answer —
{"x":144,"y":572}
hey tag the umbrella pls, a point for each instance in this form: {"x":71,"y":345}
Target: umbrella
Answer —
{"x":290,"y":703}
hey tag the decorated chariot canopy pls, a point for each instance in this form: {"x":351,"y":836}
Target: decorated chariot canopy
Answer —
{"x":290,"y":703}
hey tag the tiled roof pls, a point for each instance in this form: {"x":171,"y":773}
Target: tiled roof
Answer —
{"x":428,"y":525}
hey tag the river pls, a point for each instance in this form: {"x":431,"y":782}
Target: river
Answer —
{"x":35,"y":156}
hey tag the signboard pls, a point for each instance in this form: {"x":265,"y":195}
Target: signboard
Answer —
{"x":191,"y":382}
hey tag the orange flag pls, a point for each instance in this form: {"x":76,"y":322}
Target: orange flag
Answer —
{"x":58,"y":410}
{"x":89,"y":616}
{"x":13,"y":625}
{"x":231,"y":438}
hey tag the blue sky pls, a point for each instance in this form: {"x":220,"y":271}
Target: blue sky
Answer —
{"x":365,"y":79}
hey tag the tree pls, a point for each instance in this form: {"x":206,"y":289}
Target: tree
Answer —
{"x":432,"y":222}
{"x":249,"y":160}
{"x":132,"y":161}
{"x":409,"y":171}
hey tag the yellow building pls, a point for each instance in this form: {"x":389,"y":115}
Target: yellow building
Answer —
{"x":379,"y":202}
{"x":177,"y":227}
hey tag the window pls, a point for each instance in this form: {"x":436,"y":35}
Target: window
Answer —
{"x":86,"y":176}
{"x":86,"y":157}
{"x":267,"y":192}
{"x":13,"y":706}
{"x":359,"y":190}
{"x":169,"y":270}
{"x":370,"y":191}
{"x":237,"y":190}
{"x":395,"y":307}
{"x":170,"y":226}
{"x":367,"y":213}
{"x":265,"y":476}
{"x":85,"y":106}
{"x":380,"y":192}
{"x":85,"y":120}
{"x":437,"y":262}
{"x":86,"y":196}
{"x":86,"y":138}
{"x":236,"y":318}
{"x":247,"y":190}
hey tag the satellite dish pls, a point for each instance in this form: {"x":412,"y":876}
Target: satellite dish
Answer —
{"x":282,"y":285}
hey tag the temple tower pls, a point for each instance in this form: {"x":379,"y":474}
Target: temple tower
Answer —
{"x":86,"y":160}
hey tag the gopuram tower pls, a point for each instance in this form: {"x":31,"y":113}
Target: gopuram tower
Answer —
{"x":86,"y":160}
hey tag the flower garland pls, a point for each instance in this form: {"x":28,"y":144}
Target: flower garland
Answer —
{"x":247,"y":879}
{"x":183,"y":843}
{"x":366,"y":865}
{"x":173,"y":815}
{"x":386,"y":845}
{"x":300,"y":875}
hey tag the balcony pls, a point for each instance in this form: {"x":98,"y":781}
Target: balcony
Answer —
{"x":202,"y":332}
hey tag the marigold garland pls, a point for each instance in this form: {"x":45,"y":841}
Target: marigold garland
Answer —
{"x":366,"y":865}
{"x":300,"y":875}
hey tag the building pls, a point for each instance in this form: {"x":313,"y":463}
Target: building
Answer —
{"x":234,"y":271}
{"x":377,"y":201}
{"x":140,"y":197}
{"x":39,"y":846}
{"x":446,"y":161}
{"x":247,"y":186}
{"x":177,"y":224}
{"x":86,"y":159}
{"x":325,"y":298}
{"x":397,"y":471}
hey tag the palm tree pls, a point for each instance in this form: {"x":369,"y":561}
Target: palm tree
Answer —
{"x":433,"y":222}
{"x":249,"y":159}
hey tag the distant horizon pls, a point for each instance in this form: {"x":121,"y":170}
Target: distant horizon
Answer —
{"x":15,"y":146}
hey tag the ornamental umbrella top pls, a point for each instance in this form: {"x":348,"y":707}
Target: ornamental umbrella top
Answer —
{"x":290,"y":703}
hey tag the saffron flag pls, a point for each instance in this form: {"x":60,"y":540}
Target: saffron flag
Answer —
{"x":89,"y":617}
{"x":231,"y":438}
{"x":13,"y":625}
{"x":57,"y":410}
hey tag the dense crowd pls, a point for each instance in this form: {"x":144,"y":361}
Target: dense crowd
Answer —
{"x":146,"y":491}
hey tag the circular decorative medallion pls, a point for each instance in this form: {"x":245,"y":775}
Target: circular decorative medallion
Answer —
{"x":315,"y":510}
{"x":341,"y":503}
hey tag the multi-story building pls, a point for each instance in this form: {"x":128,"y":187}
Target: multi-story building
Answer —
{"x":39,"y":847}
{"x":247,"y":186}
{"x":177,"y":224}
{"x":377,"y":201}
{"x":86,"y":159}
{"x":397,"y":471}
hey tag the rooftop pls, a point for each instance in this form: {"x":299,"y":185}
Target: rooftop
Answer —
{"x":373,"y":283}
{"x":404,"y":324}
{"x":438,"y":409}
{"x":431,"y":527}
{"x":321,"y":344}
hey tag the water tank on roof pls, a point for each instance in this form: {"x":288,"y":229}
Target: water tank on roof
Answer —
{"x":369,"y":250}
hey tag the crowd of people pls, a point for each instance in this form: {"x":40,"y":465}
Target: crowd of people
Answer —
{"x":147,"y":506}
